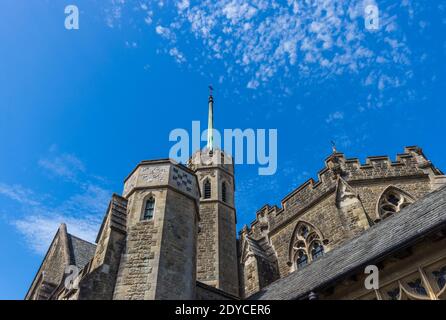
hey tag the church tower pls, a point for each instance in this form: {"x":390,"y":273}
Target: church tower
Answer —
{"x":216,"y":246}
{"x":159,"y":259}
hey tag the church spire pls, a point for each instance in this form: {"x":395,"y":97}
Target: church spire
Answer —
{"x":210,"y":144}
{"x":333,"y":147}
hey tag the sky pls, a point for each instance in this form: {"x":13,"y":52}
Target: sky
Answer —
{"x":80,"y":108}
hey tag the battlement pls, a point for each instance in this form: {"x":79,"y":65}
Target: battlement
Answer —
{"x":411,"y":163}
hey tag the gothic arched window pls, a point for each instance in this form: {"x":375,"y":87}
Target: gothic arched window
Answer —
{"x":392,"y":200}
{"x":301,"y":259}
{"x":306,"y":245}
{"x":149,"y":208}
{"x":207,"y":189}
{"x":223,"y":192}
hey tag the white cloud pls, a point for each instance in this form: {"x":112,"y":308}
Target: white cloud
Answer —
{"x":178,"y":55}
{"x":337,"y":115}
{"x":300,"y":42}
{"x":132,"y":44}
{"x":64,"y":165}
{"x":39,"y":230}
{"x":252,"y":84}
{"x":39,"y":215}
{"x":183,"y":5}
{"x":114,"y":12}
{"x":19,"y":194}
{"x":164,"y":32}
{"x":39,"y":220}
{"x":238,"y":10}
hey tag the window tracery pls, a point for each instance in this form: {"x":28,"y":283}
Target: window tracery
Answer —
{"x":306,"y":246}
{"x":392,"y":201}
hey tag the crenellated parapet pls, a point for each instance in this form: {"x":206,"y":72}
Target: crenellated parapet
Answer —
{"x":260,"y":227}
{"x":412,"y":163}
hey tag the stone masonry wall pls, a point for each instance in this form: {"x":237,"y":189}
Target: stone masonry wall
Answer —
{"x":139,"y":264}
{"x":177,"y":265}
{"x":325,"y":216}
{"x":315,"y":202}
{"x":204,"y":292}
{"x":228,"y":267}
{"x":250,"y":277}
{"x":207,"y":244}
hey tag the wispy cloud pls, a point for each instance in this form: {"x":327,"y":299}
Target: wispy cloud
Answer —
{"x":260,"y":39}
{"x":40,"y":215}
{"x":19,"y":194}
{"x":39,"y":230}
{"x":64,"y":165}
{"x":335,"y":116}
{"x":39,"y":221}
{"x":178,"y":55}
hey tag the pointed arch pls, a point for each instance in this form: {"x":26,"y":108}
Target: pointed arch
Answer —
{"x":392,"y":200}
{"x":306,"y":245}
{"x":148,"y":209}
{"x":402,"y":292}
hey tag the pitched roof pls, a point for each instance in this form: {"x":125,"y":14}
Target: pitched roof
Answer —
{"x":421,"y":218}
{"x":65,"y":249}
{"x":81,"y":251}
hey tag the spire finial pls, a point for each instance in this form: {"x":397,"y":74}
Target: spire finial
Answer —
{"x":210,"y":145}
{"x":333,"y":147}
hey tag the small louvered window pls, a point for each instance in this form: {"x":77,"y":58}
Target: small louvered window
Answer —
{"x":223,"y":192}
{"x":207,"y":189}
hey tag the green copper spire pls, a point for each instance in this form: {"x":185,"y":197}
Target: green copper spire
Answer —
{"x":210,"y":144}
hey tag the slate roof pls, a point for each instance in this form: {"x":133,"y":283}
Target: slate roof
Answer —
{"x":81,"y":251}
{"x":421,"y":218}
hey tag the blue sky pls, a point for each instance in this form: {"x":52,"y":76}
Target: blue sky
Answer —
{"x":80,"y":108}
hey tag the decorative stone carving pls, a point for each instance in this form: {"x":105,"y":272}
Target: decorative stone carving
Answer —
{"x":153,"y":174}
{"x":130,"y":184}
{"x":183,"y":180}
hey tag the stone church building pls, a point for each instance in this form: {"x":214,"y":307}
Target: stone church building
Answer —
{"x":172,"y":235}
